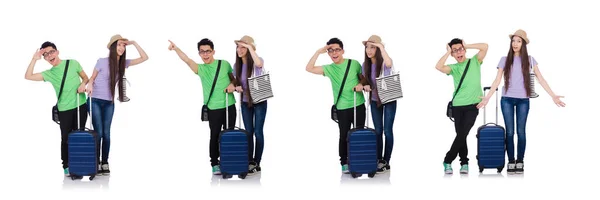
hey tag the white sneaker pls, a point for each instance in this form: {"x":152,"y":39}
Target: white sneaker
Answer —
{"x":511,"y":168}
{"x":252,"y":169}
{"x":382,"y":167}
{"x":105,"y":170}
{"x":100,"y":171}
{"x":519,"y":168}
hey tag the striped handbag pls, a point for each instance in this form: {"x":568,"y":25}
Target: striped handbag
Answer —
{"x":260,"y":87}
{"x":533,"y":94}
{"x":389,"y":87}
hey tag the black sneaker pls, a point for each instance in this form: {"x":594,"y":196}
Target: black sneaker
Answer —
{"x":511,"y":167}
{"x":105,"y":169}
{"x":252,"y":168}
{"x":382,"y":166}
{"x":519,"y":167}
{"x":100,"y":171}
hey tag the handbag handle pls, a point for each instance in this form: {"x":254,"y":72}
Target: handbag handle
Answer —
{"x":381,"y":74}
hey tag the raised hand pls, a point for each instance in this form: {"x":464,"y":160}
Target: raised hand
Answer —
{"x":324,"y":49}
{"x":244,"y":45}
{"x":172,"y":46}
{"x":376,"y":44}
{"x":38,"y":54}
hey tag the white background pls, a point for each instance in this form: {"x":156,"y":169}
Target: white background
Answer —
{"x":160,"y":146}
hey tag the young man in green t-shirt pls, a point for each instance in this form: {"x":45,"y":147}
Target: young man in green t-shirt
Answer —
{"x":345,"y":105}
{"x":216,"y":106}
{"x":73,"y":89}
{"x":465,"y":103}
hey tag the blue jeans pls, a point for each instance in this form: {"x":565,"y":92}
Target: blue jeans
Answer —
{"x":509,"y":105}
{"x":383,"y":120}
{"x":102,"y":115}
{"x":254,"y":121}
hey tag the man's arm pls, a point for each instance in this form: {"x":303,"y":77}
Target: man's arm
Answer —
{"x":29,"y":75}
{"x":193,"y":65}
{"x":483,"y":47}
{"x":310,"y":67}
{"x":232,"y":83}
{"x":84,"y":81}
{"x":441,"y":66}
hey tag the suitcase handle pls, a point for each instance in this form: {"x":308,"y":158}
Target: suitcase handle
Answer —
{"x":484,"y":110}
{"x":366,"y":107}
{"x":354,"y":122}
{"x":78,"y":116}
{"x":227,"y":112}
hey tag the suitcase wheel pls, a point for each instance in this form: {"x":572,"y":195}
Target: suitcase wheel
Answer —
{"x":500,"y":169}
{"x":372,"y":174}
{"x":92,"y":177}
{"x":73,"y":177}
{"x":480,"y":169}
{"x":225,"y":176}
{"x":243,"y":176}
{"x":354,"y":175}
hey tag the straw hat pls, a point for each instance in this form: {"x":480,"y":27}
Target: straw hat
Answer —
{"x":520,"y":33}
{"x":115,"y":38}
{"x":248,"y":40}
{"x":373,"y":38}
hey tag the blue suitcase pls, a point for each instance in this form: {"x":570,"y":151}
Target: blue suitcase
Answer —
{"x":82,"y":147}
{"x":233,"y":149}
{"x":491,"y":143}
{"x":362,"y":148}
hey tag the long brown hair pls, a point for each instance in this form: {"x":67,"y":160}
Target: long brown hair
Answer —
{"x":249,"y":70}
{"x":368,"y":63}
{"x":378,"y":67}
{"x":117,"y":70}
{"x":525,"y":65}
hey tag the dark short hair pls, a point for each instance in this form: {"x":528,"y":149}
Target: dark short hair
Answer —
{"x":206,"y":41}
{"x":335,"y":41}
{"x":48,"y":44}
{"x":455,"y":41}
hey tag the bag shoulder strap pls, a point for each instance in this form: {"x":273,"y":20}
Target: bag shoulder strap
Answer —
{"x":62,"y":84}
{"x":214,"y":82}
{"x":343,"y":81}
{"x":461,"y":79}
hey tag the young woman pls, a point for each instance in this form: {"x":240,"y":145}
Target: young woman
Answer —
{"x":247,"y":63}
{"x":101,"y":87}
{"x":376,"y":61}
{"x":516,"y":67}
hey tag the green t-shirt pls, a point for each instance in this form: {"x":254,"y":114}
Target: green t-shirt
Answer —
{"x":336,"y":72}
{"x":54,"y":75}
{"x":207,"y":74}
{"x":471,"y":89}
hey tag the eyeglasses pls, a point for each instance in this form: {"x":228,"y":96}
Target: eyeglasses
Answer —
{"x":206,"y":52}
{"x":336,"y":50}
{"x":458,"y":50}
{"x":49,"y":52}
